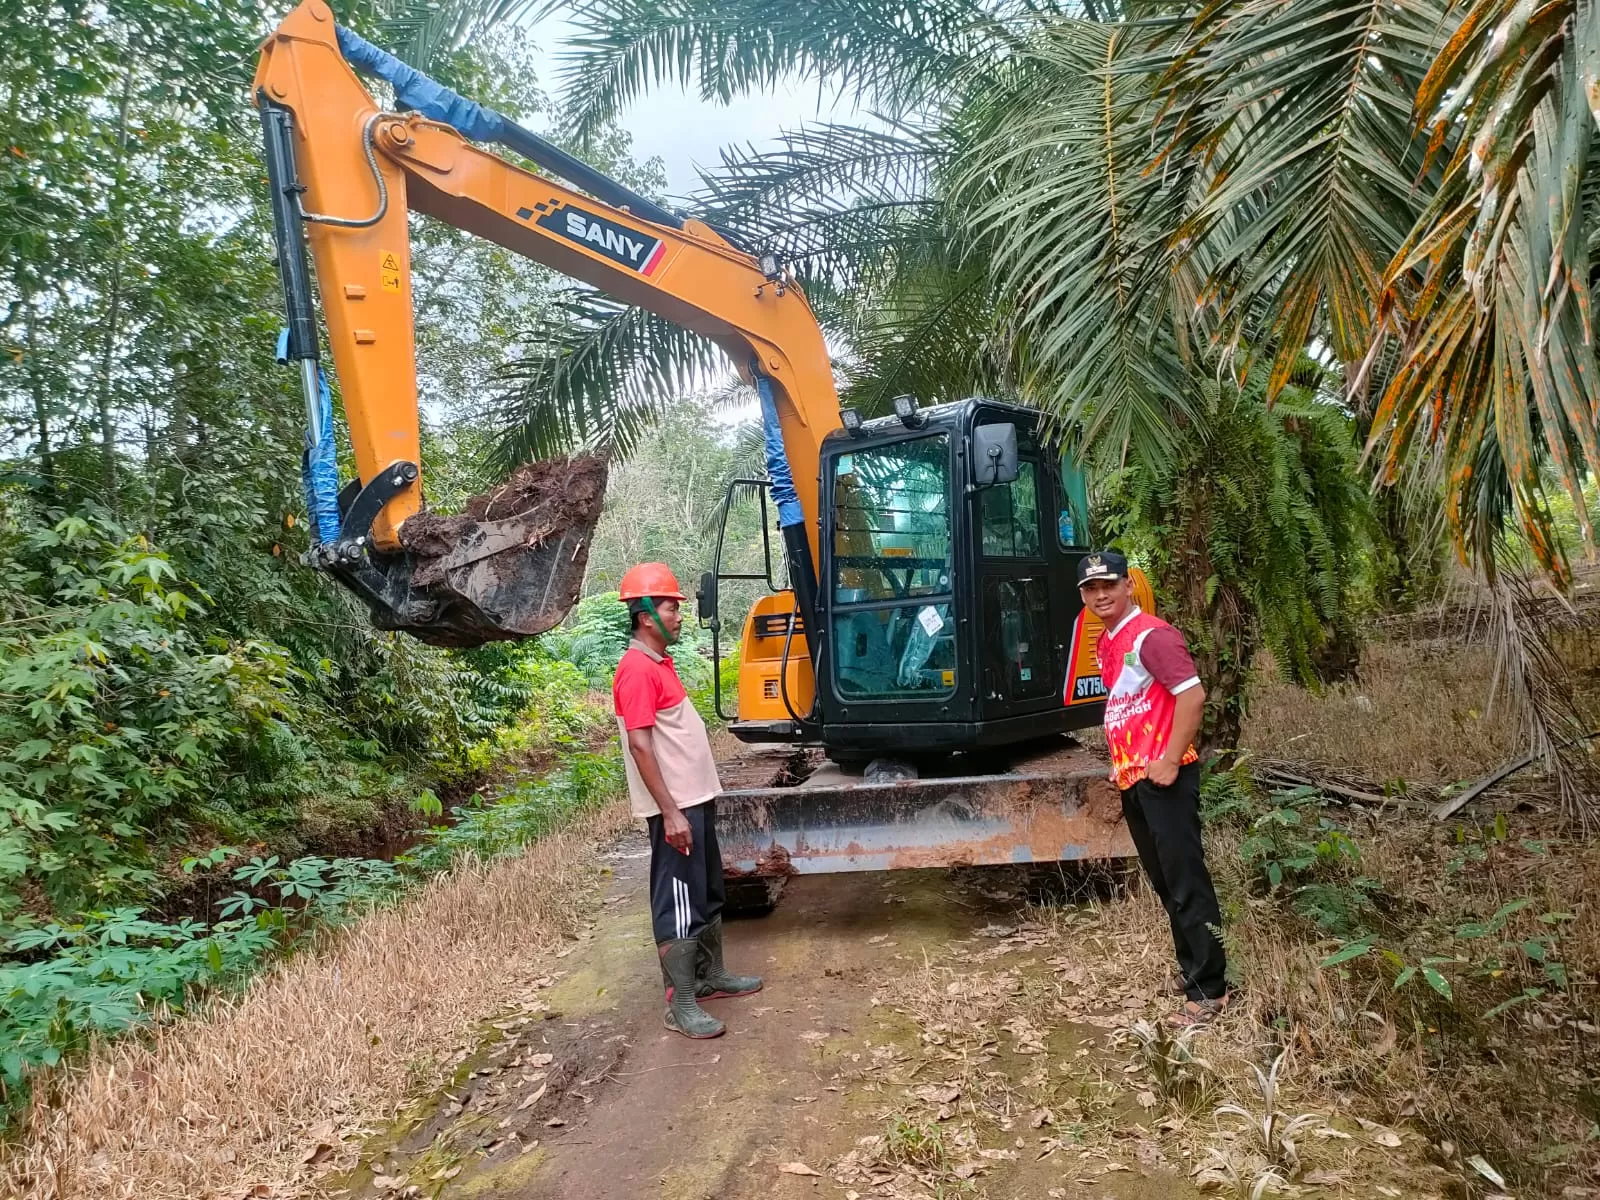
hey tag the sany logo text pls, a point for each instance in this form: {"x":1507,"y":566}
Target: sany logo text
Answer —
{"x":622,"y":245}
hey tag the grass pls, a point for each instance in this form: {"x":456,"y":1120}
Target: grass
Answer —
{"x":1454,"y":1044}
{"x":320,"y":1049}
{"x":1417,"y":712}
{"x":1516,"y":1085}
{"x":1472,"y":1016}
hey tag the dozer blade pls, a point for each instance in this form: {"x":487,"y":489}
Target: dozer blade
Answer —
{"x":512,"y":564}
{"x":833,"y":823}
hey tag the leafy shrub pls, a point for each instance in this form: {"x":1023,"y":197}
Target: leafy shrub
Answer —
{"x":136,"y":721}
{"x":596,"y":636}
{"x":1295,"y":846}
{"x":116,"y":970}
{"x":1298,"y":854}
{"x":511,"y":823}
{"x":121,"y":715}
{"x":112,"y":972}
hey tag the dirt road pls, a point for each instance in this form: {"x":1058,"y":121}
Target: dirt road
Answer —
{"x":912,"y":1040}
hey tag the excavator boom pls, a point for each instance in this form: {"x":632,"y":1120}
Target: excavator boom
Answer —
{"x":344,"y":175}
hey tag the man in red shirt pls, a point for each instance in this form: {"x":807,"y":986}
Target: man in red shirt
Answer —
{"x":672,"y":784}
{"x":1154,"y":702}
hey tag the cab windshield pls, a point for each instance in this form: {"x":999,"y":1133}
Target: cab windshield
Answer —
{"x":894,"y":636}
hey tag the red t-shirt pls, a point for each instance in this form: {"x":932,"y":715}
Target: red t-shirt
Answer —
{"x":643,"y":686}
{"x":648,"y":694}
{"x":1164,"y":654}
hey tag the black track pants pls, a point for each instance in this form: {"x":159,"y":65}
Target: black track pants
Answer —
{"x":686,"y":890}
{"x":1165,"y":824}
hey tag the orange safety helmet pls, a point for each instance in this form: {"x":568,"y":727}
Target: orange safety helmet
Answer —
{"x":650,"y":581}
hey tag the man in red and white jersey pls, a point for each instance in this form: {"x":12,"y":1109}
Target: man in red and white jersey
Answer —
{"x":1154,"y":702}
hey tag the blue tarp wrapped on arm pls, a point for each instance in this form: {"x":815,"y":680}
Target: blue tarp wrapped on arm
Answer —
{"x":319,"y":466}
{"x":783,"y":493}
{"x":413,"y":89}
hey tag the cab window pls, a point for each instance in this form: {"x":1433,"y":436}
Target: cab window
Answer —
{"x":892,"y":521}
{"x":1072,"y":507}
{"x":1010,"y":515}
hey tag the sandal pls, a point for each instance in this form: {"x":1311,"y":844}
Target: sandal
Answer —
{"x":1176,"y":984}
{"x":1197,"y":1014}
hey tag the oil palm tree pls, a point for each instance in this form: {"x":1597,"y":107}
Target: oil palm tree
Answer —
{"x":1490,"y":298}
{"x":995,"y":229}
{"x":1099,"y":207}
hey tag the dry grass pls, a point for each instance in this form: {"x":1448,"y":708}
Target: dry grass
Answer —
{"x":1510,"y":1087}
{"x":1417,"y":711}
{"x":1023,"y":1075}
{"x":230,"y":1104}
{"x":1517,"y":1087}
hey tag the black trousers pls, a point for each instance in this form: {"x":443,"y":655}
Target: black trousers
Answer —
{"x":686,"y":890}
{"x":1165,"y":824}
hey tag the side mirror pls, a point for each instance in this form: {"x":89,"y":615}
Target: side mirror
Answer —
{"x":994,"y":454}
{"x":705,"y":598}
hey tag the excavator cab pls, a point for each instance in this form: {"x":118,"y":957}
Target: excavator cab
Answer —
{"x":947,"y":597}
{"x":947,"y":657}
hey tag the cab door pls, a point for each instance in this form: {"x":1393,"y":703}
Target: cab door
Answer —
{"x":1019,"y":661}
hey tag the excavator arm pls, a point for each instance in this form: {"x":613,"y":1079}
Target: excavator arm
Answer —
{"x":344,"y":175}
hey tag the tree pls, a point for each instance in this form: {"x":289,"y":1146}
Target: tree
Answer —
{"x":172,"y":672}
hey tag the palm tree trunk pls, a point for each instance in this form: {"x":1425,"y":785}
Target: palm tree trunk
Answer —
{"x":1218,"y":617}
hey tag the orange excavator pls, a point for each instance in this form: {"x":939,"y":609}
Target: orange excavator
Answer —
{"x":906,"y":685}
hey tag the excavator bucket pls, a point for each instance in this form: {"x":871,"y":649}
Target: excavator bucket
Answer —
{"x":512,"y":564}
{"x":1042,"y":807}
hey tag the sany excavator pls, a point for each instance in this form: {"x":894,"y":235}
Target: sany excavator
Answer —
{"x":929,"y":630}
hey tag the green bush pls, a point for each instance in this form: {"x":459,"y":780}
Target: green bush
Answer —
{"x":596,"y":635}
{"x":134,"y":720}
{"x":110,"y":973}
{"x":114,"y":971}
{"x":121,"y":714}
{"x":514,"y":821}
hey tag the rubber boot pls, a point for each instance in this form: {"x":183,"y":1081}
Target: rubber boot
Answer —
{"x":684,"y":1014}
{"x":713,"y":980}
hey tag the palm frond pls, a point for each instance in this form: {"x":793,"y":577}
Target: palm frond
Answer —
{"x":1533,"y":674}
{"x":1071,"y":224}
{"x":749,"y":451}
{"x":897,"y":52}
{"x":827,"y":191}
{"x":1298,"y":118}
{"x":1490,"y":296}
{"x":422,"y":32}
{"x":852,"y":211}
{"x":932,"y":335}
{"x":603,"y":378}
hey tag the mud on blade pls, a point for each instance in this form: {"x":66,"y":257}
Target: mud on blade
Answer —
{"x":510,"y":566}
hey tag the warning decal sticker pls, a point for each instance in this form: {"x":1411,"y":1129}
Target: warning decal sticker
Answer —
{"x":389,"y":271}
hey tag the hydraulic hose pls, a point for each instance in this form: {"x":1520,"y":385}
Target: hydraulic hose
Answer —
{"x":377,"y":177}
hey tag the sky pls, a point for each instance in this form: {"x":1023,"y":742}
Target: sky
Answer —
{"x":684,"y":131}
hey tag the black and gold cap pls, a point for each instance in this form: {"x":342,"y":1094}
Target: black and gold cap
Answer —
{"x":1101,"y":564}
